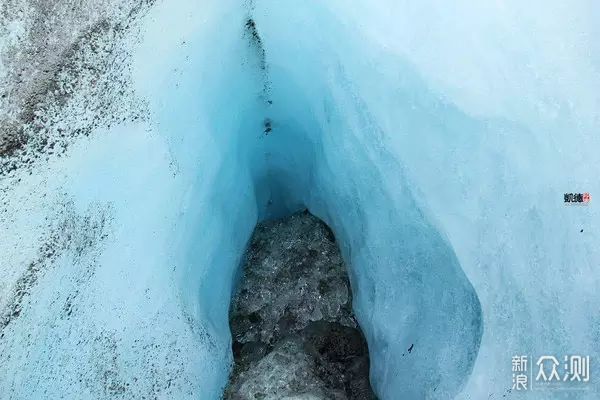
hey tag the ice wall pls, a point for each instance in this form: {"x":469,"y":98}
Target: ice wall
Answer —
{"x":323,"y":151}
{"x":435,"y":139}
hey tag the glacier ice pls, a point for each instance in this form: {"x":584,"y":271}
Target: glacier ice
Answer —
{"x":436,"y":140}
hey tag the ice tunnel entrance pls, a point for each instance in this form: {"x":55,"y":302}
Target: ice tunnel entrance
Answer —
{"x":269,"y":122}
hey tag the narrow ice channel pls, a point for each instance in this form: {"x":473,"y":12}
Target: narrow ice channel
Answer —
{"x":435,"y":140}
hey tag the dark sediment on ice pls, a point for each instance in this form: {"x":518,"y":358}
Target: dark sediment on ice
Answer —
{"x":294,"y":333}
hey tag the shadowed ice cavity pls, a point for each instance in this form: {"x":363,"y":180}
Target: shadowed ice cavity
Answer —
{"x":420,"y":315}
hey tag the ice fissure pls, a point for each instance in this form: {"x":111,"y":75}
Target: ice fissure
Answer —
{"x":435,"y":139}
{"x":296,"y":134}
{"x":247,"y":124}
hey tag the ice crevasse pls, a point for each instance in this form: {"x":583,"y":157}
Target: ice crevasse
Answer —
{"x":435,"y":139}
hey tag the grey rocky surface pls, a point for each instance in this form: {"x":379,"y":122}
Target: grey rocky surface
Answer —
{"x":294,"y":333}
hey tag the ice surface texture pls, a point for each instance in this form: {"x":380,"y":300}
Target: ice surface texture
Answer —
{"x":435,"y":139}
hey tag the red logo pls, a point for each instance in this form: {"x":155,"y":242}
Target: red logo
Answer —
{"x":586,"y":197}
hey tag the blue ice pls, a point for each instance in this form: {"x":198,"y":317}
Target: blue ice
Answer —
{"x":436,"y":140}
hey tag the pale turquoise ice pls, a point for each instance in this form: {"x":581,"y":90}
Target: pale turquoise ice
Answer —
{"x":436,"y":142}
{"x":436,"y":139}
